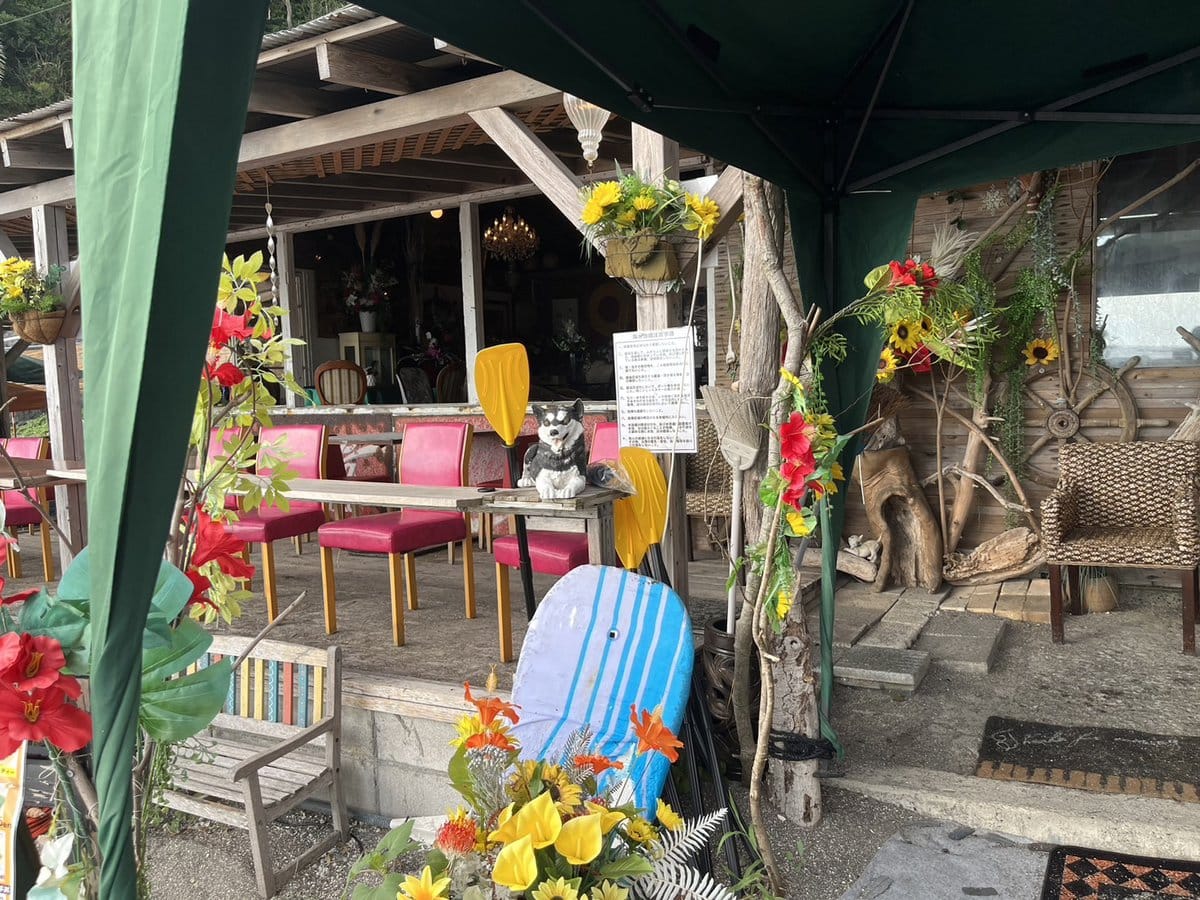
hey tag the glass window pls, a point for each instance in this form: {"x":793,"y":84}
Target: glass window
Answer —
{"x":1148,"y":263}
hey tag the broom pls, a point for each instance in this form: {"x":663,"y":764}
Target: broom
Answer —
{"x":738,"y":421}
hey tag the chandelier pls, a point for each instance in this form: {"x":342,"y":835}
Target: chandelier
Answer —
{"x":510,"y":238}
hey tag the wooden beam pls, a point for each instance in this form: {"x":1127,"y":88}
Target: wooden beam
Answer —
{"x":654,"y":157}
{"x":339,"y":64}
{"x":64,"y":400}
{"x":285,"y":97}
{"x":398,"y":117}
{"x":17,"y":203}
{"x":444,"y":47}
{"x":41,"y":126}
{"x":560,"y":185}
{"x":357,"y":31}
{"x":388,"y":211}
{"x":21,"y":176}
{"x":471,"y":253}
{"x":35,"y":156}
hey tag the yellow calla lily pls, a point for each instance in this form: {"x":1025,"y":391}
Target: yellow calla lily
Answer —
{"x":516,"y":866}
{"x":540,"y":820}
{"x":581,"y":839}
{"x":609,"y":818}
{"x":506,"y":831}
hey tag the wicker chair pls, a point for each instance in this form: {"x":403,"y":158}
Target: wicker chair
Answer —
{"x":1134,"y":505}
{"x":708,"y":485}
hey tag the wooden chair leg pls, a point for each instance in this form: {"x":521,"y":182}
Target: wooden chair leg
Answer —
{"x":298,"y":543}
{"x":47,"y":551}
{"x":468,"y":563}
{"x":504,"y":612}
{"x":246,"y":558}
{"x":394,"y":567}
{"x":410,"y":579}
{"x":450,"y":552}
{"x":1191,"y":606}
{"x":1076,"y":590}
{"x":268,"y":573}
{"x":14,"y":556}
{"x":260,"y":848}
{"x":1056,"y":605}
{"x":328,"y":590}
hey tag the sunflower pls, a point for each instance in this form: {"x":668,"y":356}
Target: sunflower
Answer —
{"x":567,"y":795}
{"x":887,"y":366}
{"x":905,"y":336}
{"x":644,"y":203}
{"x":606,"y":193}
{"x":667,"y":817}
{"x":640,"y":831}
{"x":592,"y":213}
{"x":1041,"y":351}
{"x":926,"y":324}
{"x":556,"y":889}
{"x":608,"y":891}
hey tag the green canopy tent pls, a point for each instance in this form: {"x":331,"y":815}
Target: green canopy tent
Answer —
{"x":856,"y":109}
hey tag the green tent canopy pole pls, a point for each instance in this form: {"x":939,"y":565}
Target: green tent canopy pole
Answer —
{"x":161,"y":91}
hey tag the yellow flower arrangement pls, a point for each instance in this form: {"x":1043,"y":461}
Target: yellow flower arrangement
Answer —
{"x":632,"y":206}
{"x":906,"y":336}
{"x":23,"y":289}
{"x":1041,"y":352}
{"x":887,"y":366}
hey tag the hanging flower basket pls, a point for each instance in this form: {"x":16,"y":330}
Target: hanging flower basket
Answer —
{"x":648,"y":262}
{"x":39,"y":327}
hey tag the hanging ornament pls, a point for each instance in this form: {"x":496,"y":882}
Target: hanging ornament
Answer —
{"x":589,"y":120}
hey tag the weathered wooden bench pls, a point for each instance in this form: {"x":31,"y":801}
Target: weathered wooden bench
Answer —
{"x":263,"y":755}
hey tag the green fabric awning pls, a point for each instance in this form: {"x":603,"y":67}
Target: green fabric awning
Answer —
{"x":972,"y":92}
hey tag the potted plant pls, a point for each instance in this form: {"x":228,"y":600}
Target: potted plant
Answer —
{"x":32,"y":300}
{"x":640,"y":221}
{"x":365,"y":293}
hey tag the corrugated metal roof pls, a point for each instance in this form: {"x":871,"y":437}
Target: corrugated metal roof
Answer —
{"x":339,"y":18}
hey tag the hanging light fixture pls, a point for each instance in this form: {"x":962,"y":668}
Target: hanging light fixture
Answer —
{"x":510,"y":237}
{"x":589,"y":120}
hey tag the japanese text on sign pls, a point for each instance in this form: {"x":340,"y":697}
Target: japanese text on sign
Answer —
{"x":656,"y":389}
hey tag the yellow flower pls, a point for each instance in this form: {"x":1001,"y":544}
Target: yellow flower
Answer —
{"x":592,"y":213}
{"x":609,"y":818}
{"x":567,"y":795}
{"x":926,"y":324}
{"x":423,"y":888}
{"x":558,"y":889}
{"x":506,"y":827}
{"x":539,"y":819}
{"x":826,"y":428}
{"x":798,"y":523}
{"x":1040,"y":352}
{"x":887,"y":366}
{"x":640,"y":831}
{"x":791,"y":379}
{"x":581,"y":839}
{"x":906,"y":336}
{"x":606,"y":193}
{"x":836,"y":471}
{"x":644,"y":203}
{"x":608,"y":891}
{"x":667,"y":817}
{"x":705,"y":215}
{"x":516,"y":866}
{"x":627,"y":218}
{"x":783,"y":605}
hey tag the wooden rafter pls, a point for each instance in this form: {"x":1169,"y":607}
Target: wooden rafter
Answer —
{"x":286,"y":97}
{"x":339,"y":64}
{"x":35,"y":156}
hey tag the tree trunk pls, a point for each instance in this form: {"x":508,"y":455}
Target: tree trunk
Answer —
{"x":899,"y":515}
{"x":973,"y":456}
{"x":790,"y":783}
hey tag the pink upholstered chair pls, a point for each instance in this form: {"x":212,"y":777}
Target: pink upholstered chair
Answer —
{"x":550,"y":552}
{"x":433,"y":453}
{"x":220,"y":445}
{"x":303,"y":447}
{"x":19,"y":511}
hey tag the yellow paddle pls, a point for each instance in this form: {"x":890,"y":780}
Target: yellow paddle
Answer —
{"x":645,"y":512}
{"x":502,"y":382}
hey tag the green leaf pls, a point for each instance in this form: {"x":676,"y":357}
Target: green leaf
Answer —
{"x":386,"y":891}
{"x":877,"y":278}
{"x":182,"y":707}
{"x":76,"y":582}
{"x":627,"y":867}
{"x":398,"y":841}
{"x":460,"y":776}
{"x":188,"y":641}
{"x":43,"y":615}
{"x":370,"y":862}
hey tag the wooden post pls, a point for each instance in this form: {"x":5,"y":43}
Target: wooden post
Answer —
{"x":472,"y":290}
{"x":656,"y":158}
{"x":64,"y":401}
{"x":285,"y":266}
{"x":711,"y":338}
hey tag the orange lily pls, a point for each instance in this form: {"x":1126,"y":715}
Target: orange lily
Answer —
{"x":652,"y":734}
{"x":490,"y":707}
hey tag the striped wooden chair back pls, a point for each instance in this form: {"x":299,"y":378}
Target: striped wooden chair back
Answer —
{"x":279,"y":688}
{"x":340,"y":381}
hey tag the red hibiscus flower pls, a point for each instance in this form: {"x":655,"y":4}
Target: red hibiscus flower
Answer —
{"x":901,"y":276}
{"x":796,"y":436}
{"x":30,"y":662}
{"x":921,"y":360}
{"x":212,"y":543}
{"x":226,"y":374}
{"x":43,"y":714}
{"x":227,"y":326}
{"x":795,"y":473}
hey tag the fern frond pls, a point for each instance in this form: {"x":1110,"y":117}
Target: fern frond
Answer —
{"x":677,"y":847}
{"x":680,"y":883}
{"x":578,"y":743}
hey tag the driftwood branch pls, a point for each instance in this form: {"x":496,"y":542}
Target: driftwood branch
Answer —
{"x":1191,"y":339}
{"x":975,"y":477}
{"x":1141,"y":201}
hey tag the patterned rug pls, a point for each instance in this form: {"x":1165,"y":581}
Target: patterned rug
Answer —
{"x":1077,"y":874}
{"x":1106,"y":760}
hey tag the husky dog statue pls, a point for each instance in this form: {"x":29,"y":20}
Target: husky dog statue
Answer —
{"x":557,"y":464}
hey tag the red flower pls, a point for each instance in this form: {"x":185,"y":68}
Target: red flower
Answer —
{"x":29,"y":662}
{"x":43,"y":714}
{"x":490,"y":707}
{"x":921,"y":360}
{"x":212,"y":543}
{"x":795,"y":472}
{"x":227,"y":326}
{"x":796,"y":436}
{"x":901,"y":276}
{"x":226,"y":374}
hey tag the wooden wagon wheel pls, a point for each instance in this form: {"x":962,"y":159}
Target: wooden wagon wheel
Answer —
{"x":1102,"y":408}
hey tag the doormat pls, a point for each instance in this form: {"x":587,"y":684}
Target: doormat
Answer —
{"x":1077,"y":874}
{"x":1105,"y":760}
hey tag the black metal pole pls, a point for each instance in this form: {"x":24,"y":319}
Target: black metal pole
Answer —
{"x":514,"y":472}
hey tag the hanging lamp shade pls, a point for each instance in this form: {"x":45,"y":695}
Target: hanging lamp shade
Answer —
{"x":589,"y":120}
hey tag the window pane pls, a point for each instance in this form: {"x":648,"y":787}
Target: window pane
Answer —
{"x":1148,"y":264}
